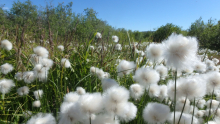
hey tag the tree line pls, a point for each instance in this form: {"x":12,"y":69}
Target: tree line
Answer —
{"x":25,"y":21}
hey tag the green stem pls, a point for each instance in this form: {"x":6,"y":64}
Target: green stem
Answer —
{"x":182,"y":110}
{"x":175,"y":98}
{"x":90,"y":119}
{"x":210,"y":106}
{"x":61,"y":77}
{"x":3,"y":103}
{"x":194,"y":103}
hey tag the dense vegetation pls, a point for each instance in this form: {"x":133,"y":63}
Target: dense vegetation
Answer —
{"x":61,"y":24}
{"x":56,"y":61}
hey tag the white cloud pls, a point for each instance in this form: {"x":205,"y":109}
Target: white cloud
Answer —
{"x":5,"y":8}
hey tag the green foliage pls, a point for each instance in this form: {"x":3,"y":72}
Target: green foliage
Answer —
{"x":207,"y":34}
{"x":197,"y":28}
{"x":23,"y":14}
{"x":137,"y":35}
{"x":53,"y":23}
{"x":164,"y":31}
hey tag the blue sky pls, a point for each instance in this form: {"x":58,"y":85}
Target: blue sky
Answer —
{"x":142,"y":15}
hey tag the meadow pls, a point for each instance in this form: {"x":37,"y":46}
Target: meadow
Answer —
{"x":101,"y":81}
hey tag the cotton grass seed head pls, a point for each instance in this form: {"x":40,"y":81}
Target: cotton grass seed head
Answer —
{"x":65,"y":63}
{"x":71,"y":97}
{"x":29,"y":76}
{"x":91,"y":103}
{"x":180,"y":51}
{"x":147,"y":76}
{"x":70,"y":113}
{"x":100,"y":73}
{"x":125,"y":68}
{"x":136,"y":91}
{"x":213,"y":81}
{"x":154,"y":52}
{"x":41,"y":72}
{"x":162,"y":70}
{"x":19,"y":76}
{"x":200,"y":103}
{"x":41,"y":51}
{"x":35,"y":59}
{"x":115,"y":38}
{"x":39,"y":69}
{"x":192,"y":88}
{"x":215,"y":60}
{"x":209,"y":62}
{"x":154,"y":90}
{"x":23,"y":90}
{"x":156,"y":113}
{"x":38,"y":94}
{"x":98,"y":35}
{"x":6,"y":68}
{"x":91,"y":47}
{"x":42,"y":118}
{"x":200,"y":114}
{"x":118,"y":47}
{"x":60,"y":47}
{"x":163,"y":92}
{"x":116,"y":95}
{"x":131,"y":114}
{"x":7,"y":45}
{"x":214,"y":104}
{"x":46,"y":63}
{"x":119,"y":109}
{"x":36,"y":103}
{"x":93,"y":70}
{"x":80,"y":91}
{"x":200,"y":67}
{"x":6,"y":85}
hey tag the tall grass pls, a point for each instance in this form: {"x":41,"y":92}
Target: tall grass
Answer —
{"x":62,"y":80}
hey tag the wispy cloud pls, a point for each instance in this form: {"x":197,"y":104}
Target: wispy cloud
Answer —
{"x":5,"y":8}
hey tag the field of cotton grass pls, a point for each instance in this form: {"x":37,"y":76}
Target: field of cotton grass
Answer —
{"x":100,"y":82}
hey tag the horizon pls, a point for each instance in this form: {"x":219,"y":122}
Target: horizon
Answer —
{"x":141,"y":15}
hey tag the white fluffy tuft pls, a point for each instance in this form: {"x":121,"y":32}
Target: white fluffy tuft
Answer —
{"x":147,"y":76}
{"x":125,"y":68}
{"x":42,"y":118}
{"x":23,"y":90}
{"x":60,"y":47}
{"x":115,"y":38}
{"x":156,"y":113}
{"x":65,"y":63}
{"x":179,"y":51}
{"x":41,"y":51}
{"x":7,"y":45}
{"x":36,"y":103}
{"x":71,"y":97}
{"x":6,"y":68}
{"x":6,"y":85}
{"x":136,"y":91}
{"x":38,"y":94}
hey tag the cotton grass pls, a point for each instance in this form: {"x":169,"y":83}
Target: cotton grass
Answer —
{"x":179,"y":51}
{"x":156,"y":113}
{"x":6,"y":68}
{"x":7,"y":45}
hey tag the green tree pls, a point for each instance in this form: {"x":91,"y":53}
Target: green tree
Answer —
{"x":164,"y":31}
{"x":23,"y":13}
{"x":197,"y":28}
